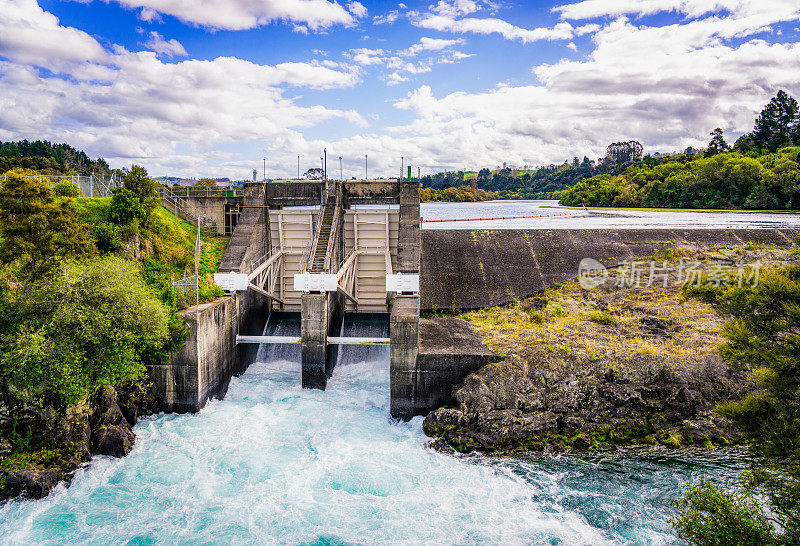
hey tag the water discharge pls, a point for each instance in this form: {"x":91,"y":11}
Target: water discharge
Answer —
{"x":272,"y":463}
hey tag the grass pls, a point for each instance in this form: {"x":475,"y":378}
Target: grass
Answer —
{"x":164,"y":247}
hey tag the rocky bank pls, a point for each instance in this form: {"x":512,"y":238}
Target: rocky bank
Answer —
{"x":621,"y":364}
{"x":42,"y":444}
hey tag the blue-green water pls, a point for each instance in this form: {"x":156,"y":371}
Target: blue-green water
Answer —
{"x":272,"y":463}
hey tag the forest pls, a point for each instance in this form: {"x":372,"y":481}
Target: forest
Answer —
{"x":49,"y":158}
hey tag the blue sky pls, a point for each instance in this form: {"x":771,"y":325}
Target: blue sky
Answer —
{"x":211,"y":88}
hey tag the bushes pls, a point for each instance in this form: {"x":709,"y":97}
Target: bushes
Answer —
{"x":36,"y":232}
{"x":91,"y":324}
{"x":126,"y":207}
{"x":66,"y":189}
{"x":762,"y":335}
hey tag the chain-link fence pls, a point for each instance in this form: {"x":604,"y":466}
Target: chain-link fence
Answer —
{"x":90,"y":186}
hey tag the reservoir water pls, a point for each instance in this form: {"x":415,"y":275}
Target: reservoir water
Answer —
{"x":551,"y":216}
{"x":274,"y":464}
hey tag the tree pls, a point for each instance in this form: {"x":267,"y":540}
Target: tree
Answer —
{"x":315,"y":173}
{"x":717,"y":144}
{"x":203,"y":182}
{"x":777,"y":122}
{"x":624,"y":152}
{"x":764,"y":335}
{"x":37,"y":232}
{"x":137,"y":181}
{"x":126,"y":207}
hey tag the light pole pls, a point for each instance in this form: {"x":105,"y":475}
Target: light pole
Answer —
{"x":341,"y":171}
{"x":325,"y":164}
{"x":402,"y":164}
{"x":365,"y":167}
{"x":298,"y":167}
{"x":265,"y":169}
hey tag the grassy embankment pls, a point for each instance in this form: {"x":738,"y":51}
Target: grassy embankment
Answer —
{"x":165,"y":249}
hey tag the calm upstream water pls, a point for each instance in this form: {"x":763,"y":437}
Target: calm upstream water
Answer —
{"x":272,"y":463}
{"x":553,"y":217}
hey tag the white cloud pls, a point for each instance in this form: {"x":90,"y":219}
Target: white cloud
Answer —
{"x":430,"y":44}
{"x":572,"y":46}
{"x":357,"y":9}
{"x":300,"y":29}
{"x":245,"y":14}
{"x":398,"y":62}
{"x":123,"y":104}
{"x":32,"y":36}
{"x":561,"y":31}
{"x":170,"y":48}
{"x":366,"y":56}
{"x":149,"y":15}
{"x":387,"y":18}
{"x":394,"y":79}
{"x":691,"y":8}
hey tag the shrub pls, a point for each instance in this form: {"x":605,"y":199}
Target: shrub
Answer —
{"x":126,"y":207}
{"x":601,"y":317}
{"x":66,"y":189}
{"x":36,"y":232}
{"x":107,"y":237}
{"x":93,"y":323}
{"x":709,"y":515}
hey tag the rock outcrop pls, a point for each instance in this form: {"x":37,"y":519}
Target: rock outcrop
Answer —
{"x":527,"y":404}
{"x":42,"y":445}
{"x":629,"y":362}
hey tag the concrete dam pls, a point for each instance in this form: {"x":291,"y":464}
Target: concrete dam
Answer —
{"x":320,"y":252}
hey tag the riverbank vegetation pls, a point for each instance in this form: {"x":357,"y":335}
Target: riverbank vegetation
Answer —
{"x":86,"y":304}
{"x":762,"y":334}
{"x":463,"y":194}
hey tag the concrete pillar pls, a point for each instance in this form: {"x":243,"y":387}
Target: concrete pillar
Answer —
{"x":314,"y":323}
{"x":408,"y":236}
{"x":403,"y":351}
{"x":404,"y":320}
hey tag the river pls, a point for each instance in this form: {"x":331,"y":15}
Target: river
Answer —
{"x":273,"y":463}
{"x":550,"y":216}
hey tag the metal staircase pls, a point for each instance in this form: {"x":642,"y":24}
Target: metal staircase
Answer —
{"x":320,"y":251}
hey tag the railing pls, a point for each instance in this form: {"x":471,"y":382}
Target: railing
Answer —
{"x":181,"y":208}
{"x":198,"y":191}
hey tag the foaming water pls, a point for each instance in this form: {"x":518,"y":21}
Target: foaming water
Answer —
{"x":273,"y":463}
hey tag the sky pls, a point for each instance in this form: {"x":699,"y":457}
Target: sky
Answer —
{"x":214,"y":87}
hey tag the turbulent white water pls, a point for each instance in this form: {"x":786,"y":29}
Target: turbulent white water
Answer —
{"x":272,"y":463}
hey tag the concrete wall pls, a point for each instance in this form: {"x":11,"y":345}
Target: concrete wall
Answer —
{"x":373,"y":192}
{"x":205,"y":364}
{"x":282,"y":194}
{"x":470,"y":269}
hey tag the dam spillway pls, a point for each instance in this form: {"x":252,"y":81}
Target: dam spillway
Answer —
{"x":355,"y":235}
